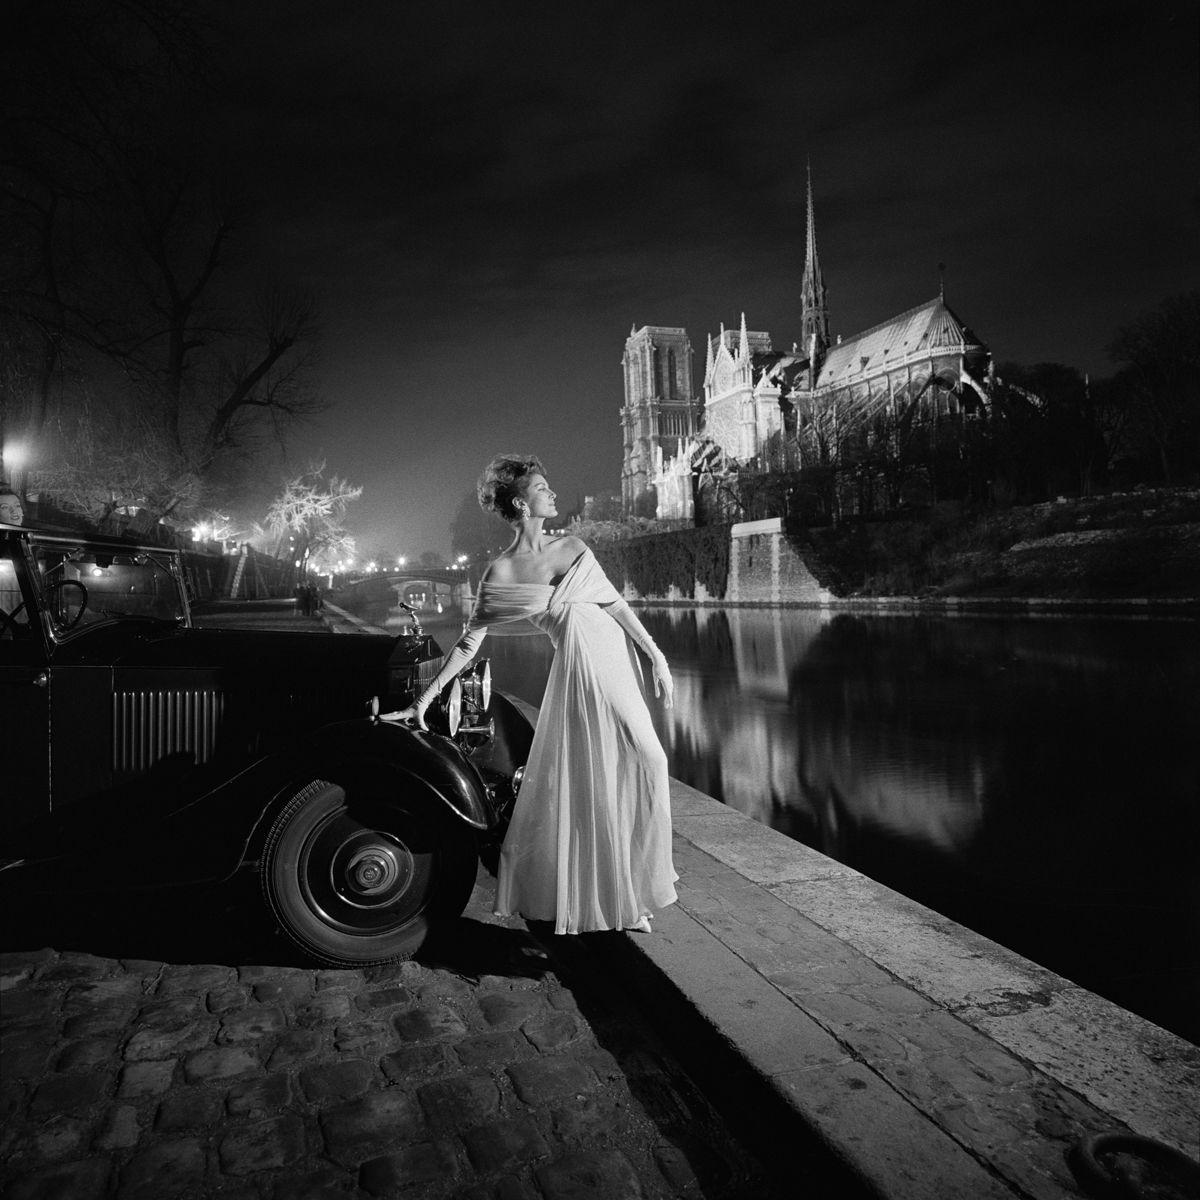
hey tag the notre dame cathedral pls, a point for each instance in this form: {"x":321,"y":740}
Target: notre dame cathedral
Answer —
{"x":755,"y":397}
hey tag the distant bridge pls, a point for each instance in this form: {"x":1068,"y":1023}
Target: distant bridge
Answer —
{"x":425,"y":588}
{"x":449,"y":575}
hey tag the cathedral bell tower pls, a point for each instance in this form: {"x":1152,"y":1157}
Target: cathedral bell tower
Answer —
{"x":659,"y":413}
{"x":814,"y":317}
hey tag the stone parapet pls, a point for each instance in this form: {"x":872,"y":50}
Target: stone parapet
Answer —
{"x":929,"y":1059}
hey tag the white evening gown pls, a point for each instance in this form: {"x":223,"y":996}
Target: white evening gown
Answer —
{"x":589,"y":845}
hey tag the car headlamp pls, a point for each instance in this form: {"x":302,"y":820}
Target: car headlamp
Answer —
{"x":465,"y":704}
{"x":477,"y":687}
{"x":452,"y":703}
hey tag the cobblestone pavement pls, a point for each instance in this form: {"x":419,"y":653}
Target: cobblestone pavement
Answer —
{"x":487,"y":1069}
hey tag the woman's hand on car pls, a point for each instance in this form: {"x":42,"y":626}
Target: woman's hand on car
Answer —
{"x":412,"y":715}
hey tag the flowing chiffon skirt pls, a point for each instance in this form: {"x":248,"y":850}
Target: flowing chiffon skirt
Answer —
{"x":589,"y":845}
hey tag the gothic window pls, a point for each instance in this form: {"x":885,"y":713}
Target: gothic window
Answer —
{"x":669,"y":382}
{"x":657,"y":384}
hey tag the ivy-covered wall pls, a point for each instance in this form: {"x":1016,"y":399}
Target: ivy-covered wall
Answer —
{"x":681,"y":558}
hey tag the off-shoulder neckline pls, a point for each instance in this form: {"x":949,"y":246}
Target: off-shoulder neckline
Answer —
{"x":487,"y":583}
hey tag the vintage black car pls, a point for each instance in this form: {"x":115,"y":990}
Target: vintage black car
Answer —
{"x":141,"y":749}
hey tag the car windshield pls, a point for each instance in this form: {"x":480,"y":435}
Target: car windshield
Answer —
{"x":12,"y":608}
{"x":84,"y":585}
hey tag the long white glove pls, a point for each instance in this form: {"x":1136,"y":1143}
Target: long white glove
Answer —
{"x":624,"y":616}
{"x":464,"y":651}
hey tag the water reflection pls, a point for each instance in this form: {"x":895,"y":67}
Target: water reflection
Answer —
{"x":812,"y":730}
{"x":1033,"y":779}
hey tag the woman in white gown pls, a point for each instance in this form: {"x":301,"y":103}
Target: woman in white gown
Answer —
{"x":589,"y":844}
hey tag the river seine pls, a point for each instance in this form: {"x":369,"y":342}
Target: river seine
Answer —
{"x":1035,"y":779}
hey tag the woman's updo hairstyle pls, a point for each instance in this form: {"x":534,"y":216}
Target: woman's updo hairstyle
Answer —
{"x":503,"y":481}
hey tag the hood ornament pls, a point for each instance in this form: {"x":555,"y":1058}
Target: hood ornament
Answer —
{"x":416,"y":630}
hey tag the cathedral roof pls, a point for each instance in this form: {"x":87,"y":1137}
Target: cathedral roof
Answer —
{"x":777,"y":367}
{"x":930,"y":328}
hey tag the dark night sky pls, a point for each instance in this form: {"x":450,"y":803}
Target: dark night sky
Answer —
{"x":486,"y":196}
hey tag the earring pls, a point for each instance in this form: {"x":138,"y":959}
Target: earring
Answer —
{"x":523,"y":508}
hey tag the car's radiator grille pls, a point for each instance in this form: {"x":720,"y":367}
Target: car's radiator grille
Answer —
{"x":427,"y":672}
{"x":149,"y":725}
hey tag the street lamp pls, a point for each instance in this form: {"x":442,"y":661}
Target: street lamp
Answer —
{"x":12,"y":457}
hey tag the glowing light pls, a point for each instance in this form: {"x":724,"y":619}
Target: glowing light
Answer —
{"x":14,"y":456}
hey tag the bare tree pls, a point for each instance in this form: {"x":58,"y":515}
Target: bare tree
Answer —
{"x":74,"y":76}
{"x":312,"y":510}
{"x":104,"y":459}
{"x":121,"y":250}
{"x":1159,"y":358}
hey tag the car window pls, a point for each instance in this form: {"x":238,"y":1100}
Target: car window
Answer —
{"x":14,"y":617}
{"x":83,"y":586}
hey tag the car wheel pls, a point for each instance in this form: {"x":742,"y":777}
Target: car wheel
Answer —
{"x":358,"y":880}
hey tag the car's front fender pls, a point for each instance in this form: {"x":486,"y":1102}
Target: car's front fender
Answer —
{"x":390,"y":757}
{"x":417,"y":753}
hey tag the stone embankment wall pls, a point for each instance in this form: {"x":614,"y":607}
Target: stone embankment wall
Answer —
{"x":764,"y":568}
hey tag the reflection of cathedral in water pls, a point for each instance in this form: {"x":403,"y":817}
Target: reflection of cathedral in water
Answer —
{"x":763,"y":407}
{"x":821,"y":752}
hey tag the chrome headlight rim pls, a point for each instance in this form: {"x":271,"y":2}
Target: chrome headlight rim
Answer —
{"x":452,"y":704}
{"x":477,"y":687}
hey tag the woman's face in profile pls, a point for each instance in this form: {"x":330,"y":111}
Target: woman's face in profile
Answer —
{"x":539,"y":497}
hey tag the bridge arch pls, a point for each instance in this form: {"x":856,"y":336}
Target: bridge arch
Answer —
{"x":429,"y":590}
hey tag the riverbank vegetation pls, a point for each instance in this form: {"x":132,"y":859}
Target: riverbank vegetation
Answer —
{"x":1143,"y":543}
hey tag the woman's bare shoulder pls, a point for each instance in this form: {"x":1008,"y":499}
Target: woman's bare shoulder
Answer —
{"x":568,"y":547}
{"x":499,"y":570}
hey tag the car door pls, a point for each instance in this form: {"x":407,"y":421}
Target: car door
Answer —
{"x":24,"y":706}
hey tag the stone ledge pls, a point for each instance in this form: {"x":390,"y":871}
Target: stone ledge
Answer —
{"x":928,"y":1058}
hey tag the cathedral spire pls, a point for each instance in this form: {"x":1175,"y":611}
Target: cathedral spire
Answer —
{"x":708,"y":359}
{"x":814,"y":319}
{"x":744,"y":343}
